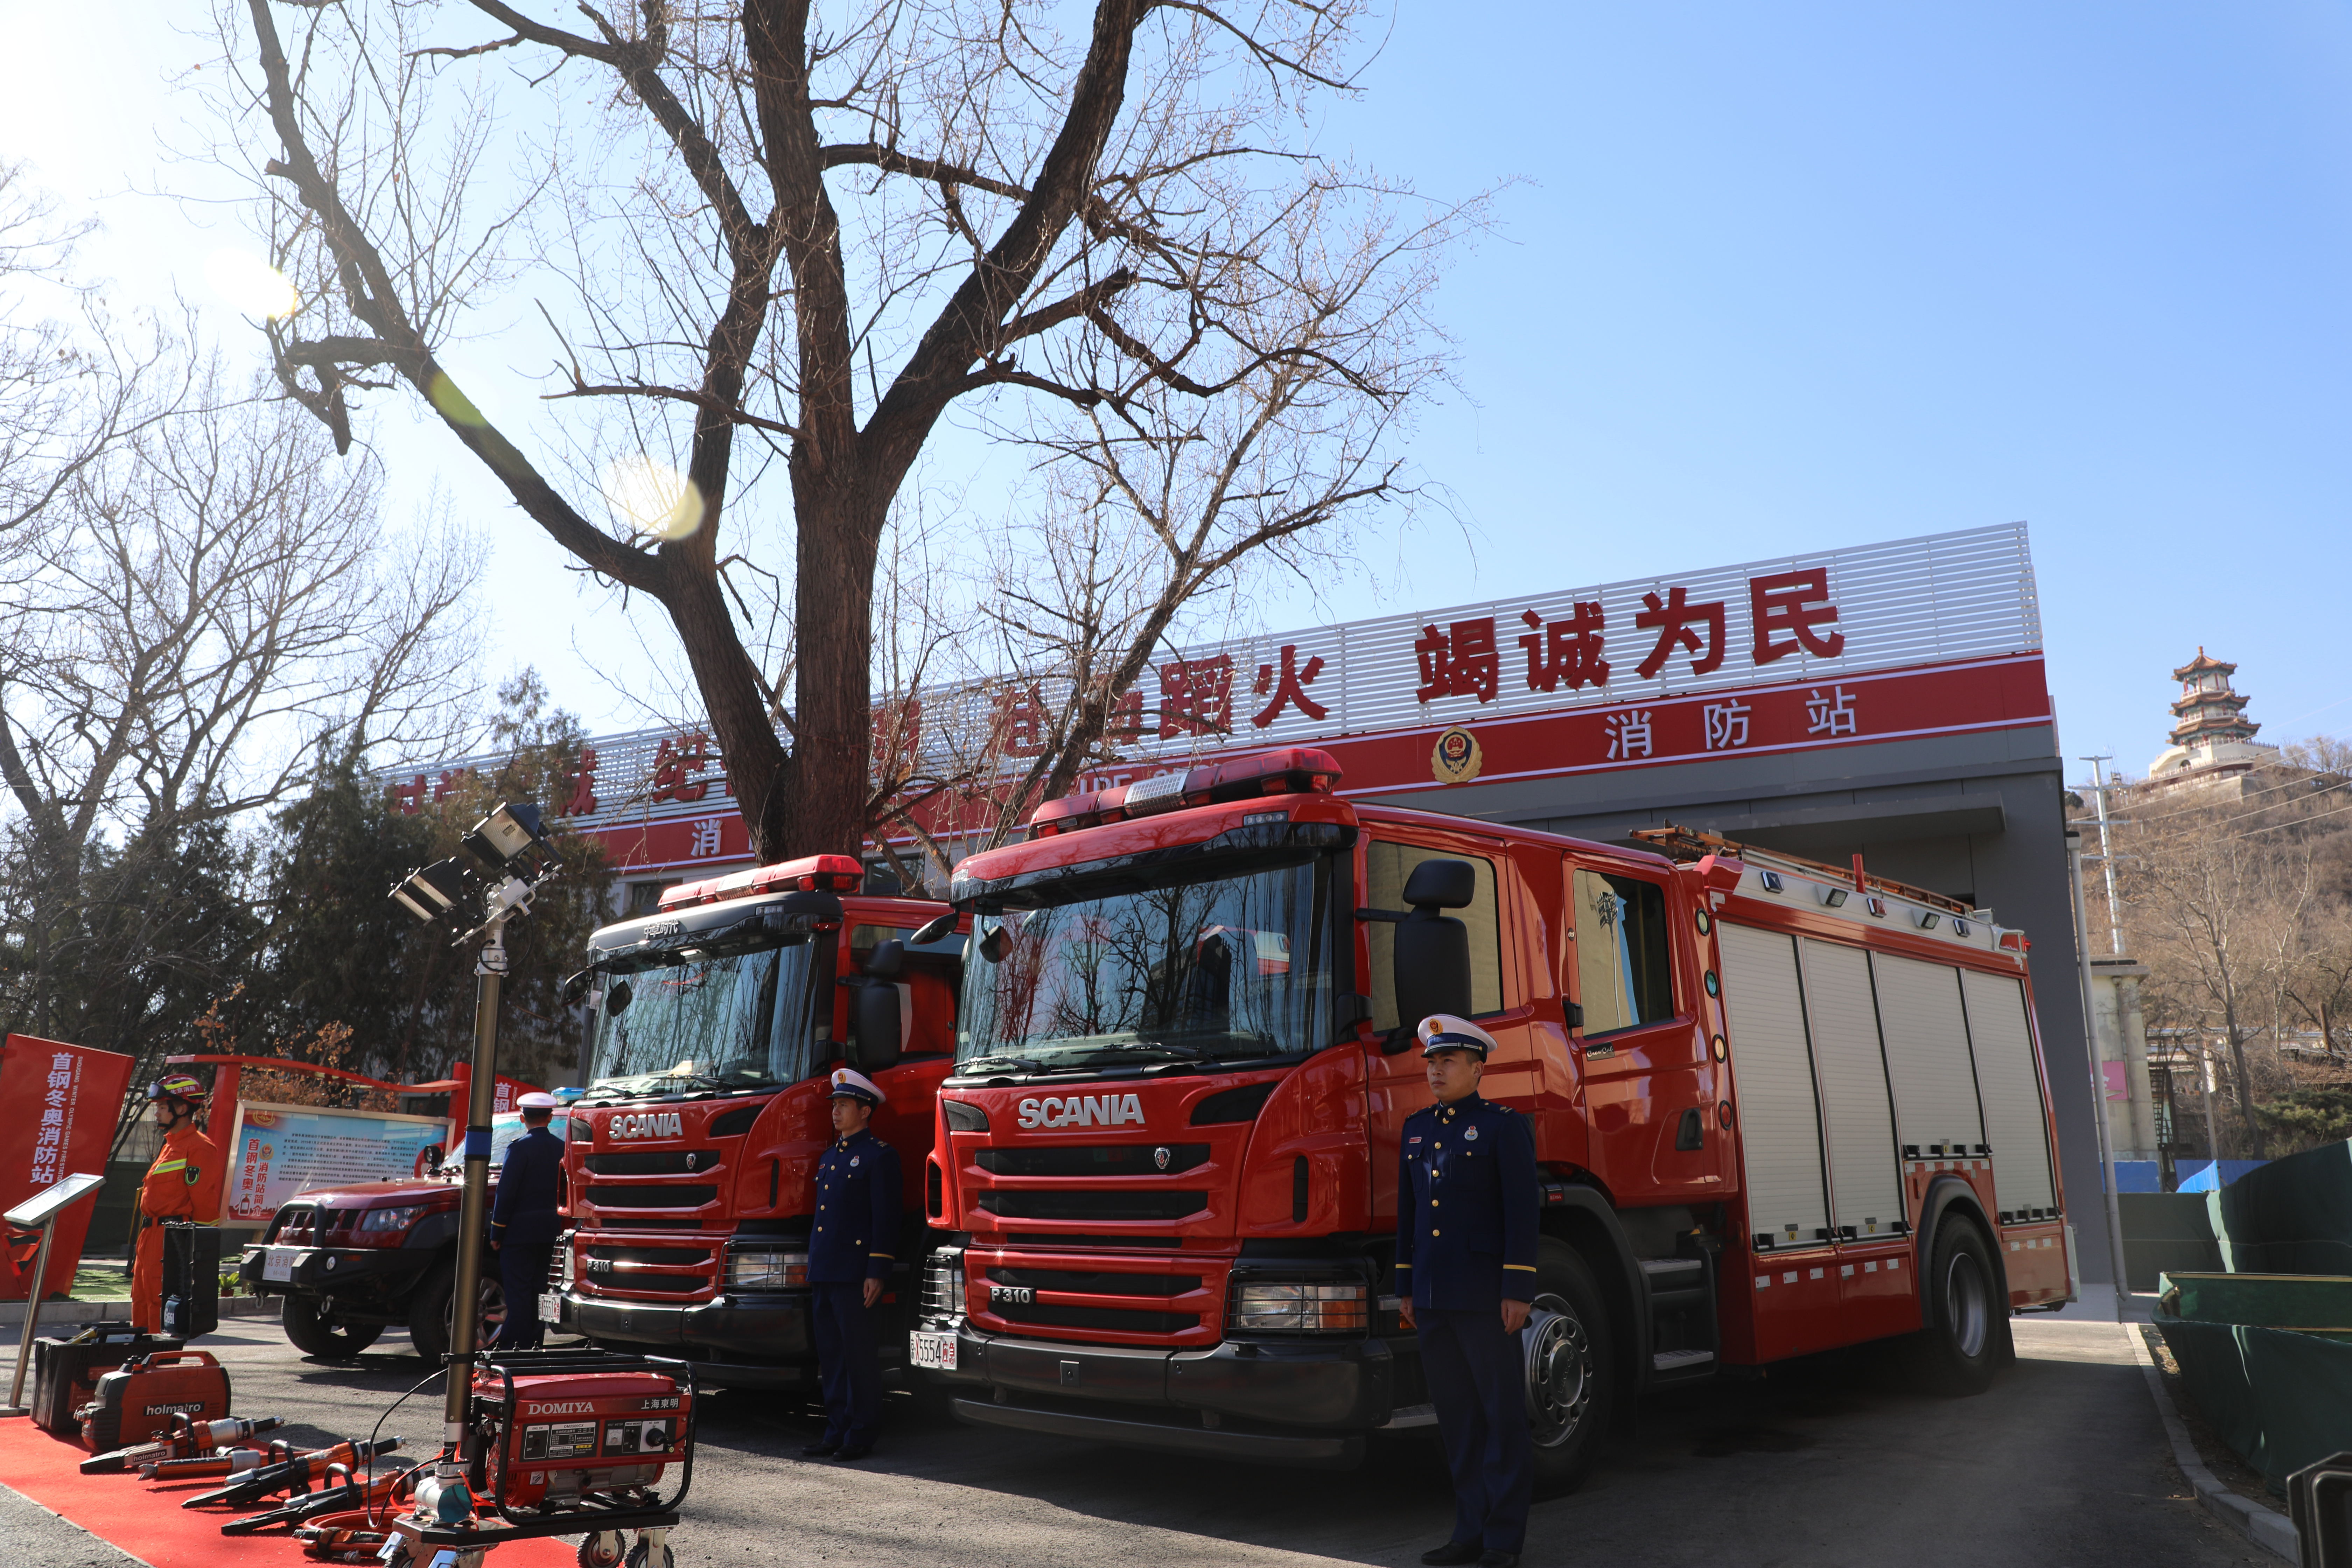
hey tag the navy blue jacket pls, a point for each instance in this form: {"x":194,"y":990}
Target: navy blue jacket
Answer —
{"x":856,"y":1211}
{"x":1466,"y":1206}
{"x":531,"y":1186}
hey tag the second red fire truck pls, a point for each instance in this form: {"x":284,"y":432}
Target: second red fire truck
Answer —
{"x":1777,"y":1108}
{"x":693,"y":1154}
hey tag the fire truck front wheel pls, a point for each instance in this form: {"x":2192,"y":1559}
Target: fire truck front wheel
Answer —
{"x":309,"y":1330}
{"x":1570,"y":1389}
{"x":1957,"y":1350}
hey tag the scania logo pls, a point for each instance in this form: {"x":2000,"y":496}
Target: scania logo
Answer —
{"x":1159,"y":1156}
{"x":1082,"y":1110}
{"x":564,"y":1407}
{"x":647,"y":1124}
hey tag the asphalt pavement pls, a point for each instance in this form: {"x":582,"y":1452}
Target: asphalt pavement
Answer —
{"x":1829,"y":1461}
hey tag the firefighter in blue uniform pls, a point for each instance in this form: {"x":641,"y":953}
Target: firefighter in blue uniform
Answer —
{"x":1466,"y":1273}
{"x":849,"y":1257}
{"x":524,"y":1221}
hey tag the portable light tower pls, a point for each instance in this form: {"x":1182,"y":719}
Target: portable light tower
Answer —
{"x":505,"y":861}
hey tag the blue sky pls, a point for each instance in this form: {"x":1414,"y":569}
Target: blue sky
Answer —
{"x":1772,"y":279}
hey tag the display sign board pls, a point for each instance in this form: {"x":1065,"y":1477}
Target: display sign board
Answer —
{"x":281,"y":1150}
{"x":64,"y":1102}
{"x":1935,"y":634}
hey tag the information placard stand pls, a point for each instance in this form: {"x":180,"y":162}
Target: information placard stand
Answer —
{"x":41,"y":1210}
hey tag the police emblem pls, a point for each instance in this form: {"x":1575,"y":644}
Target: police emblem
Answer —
{"x":1470,"y":1134}
{"x":852,"y":1161}
{"x":1456,"y":757}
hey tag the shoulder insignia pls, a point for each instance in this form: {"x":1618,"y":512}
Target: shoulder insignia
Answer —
{"x":193,"y":1175}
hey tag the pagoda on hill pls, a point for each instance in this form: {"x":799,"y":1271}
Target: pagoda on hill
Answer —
{"x":2211,"y":736}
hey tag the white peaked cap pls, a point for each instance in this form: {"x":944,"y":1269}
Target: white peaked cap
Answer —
{"x":1444,"y":1032}
{"x":848,"y":1083}
{"x":536,"y":1101}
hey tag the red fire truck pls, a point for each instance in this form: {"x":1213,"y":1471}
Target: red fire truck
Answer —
{"x":693,"y":1154}
{"x":1777,"y":1108}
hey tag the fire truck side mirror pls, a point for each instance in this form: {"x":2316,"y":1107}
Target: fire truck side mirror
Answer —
{"x":876,"y":1025}
{"x":1433,"y":967}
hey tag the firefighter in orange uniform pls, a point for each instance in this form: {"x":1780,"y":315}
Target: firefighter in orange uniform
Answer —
{"x":184,"y":1184}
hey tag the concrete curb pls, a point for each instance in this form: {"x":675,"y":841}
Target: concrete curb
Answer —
{"x":55,"y":1313}
{"x":2266,"y":1528}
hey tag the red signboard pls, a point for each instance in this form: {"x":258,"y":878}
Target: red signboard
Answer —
{"x":63,"y":1102}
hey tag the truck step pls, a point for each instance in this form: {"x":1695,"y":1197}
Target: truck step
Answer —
{"x":1405,"y":1416}
{"x":1680,"y":1361}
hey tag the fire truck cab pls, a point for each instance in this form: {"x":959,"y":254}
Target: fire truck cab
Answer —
{"x":1777,"y":1107}
{"x":692,"y":1161}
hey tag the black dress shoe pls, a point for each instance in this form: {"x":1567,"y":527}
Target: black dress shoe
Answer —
{"x":1451,"y":1552}
{"x":851,"y":1456}
{"x":1498,"y":1559}
{"x":820,"y":1450}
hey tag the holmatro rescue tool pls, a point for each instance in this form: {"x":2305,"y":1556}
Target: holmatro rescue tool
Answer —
{"x":295,"y":1474}
{"x":188,"y":1439}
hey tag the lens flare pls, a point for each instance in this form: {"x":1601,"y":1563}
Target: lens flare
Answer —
{"x":655,"y":497}
{"x":251,"y":285}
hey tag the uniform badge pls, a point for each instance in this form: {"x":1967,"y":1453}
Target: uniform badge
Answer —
{"x":1470,"y":1134}
{"x":1415,"y":1139}
{"x":193,"y":1175}
{"x":852,"y":1161}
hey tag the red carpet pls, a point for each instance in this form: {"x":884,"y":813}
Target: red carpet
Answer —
{"x":147,"y":1520}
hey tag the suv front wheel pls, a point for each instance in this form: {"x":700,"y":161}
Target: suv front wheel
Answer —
{"x":309,"y":1329}
{"x":431,"y":1321}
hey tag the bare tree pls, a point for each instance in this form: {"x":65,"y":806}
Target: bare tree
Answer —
{"x":795,"y":238}
{"x":199,"y":603}
{"x":1158,"y":511}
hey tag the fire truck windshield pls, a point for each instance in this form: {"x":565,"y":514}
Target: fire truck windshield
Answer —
{"x":673,"y":1022}
{"x":1117,"y":973}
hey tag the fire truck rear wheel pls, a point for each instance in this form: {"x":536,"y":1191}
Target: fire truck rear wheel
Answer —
{"x":1571,"y":1381}
{"x":1957,"y":1352}
{"x":309,"y":1330}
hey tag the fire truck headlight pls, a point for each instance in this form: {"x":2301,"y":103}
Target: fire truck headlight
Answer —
{"x":766,"y":1270}
{"x":1309,"y":1307}
{"x":377,"y":1222}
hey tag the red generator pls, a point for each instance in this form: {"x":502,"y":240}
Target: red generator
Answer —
{"x":585,"y":1437}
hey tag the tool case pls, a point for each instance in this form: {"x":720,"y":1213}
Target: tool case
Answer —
{"x":136,"y":1401}
{"x":191,"y":1279}
{"x":65,"y":1371}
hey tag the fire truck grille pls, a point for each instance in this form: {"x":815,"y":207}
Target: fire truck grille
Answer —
{"x":651,"y":1197}
{"x":653,"y":1162}
{"x":667,"y":1256}
{"x":1060,"y":1238}
{"x":1110,"y":1160}
{"x":1087,"y":1284}
{"x":293,"y":1219}
{"x":1095,"y":1206}
{"x":1118,"y":1320}
{"x":650,"y":1284}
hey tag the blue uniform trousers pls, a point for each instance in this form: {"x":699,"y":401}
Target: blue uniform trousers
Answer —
{"x":847,"y":1360}
{"x":1477,"y":1382}
{"x":522,"y":1275}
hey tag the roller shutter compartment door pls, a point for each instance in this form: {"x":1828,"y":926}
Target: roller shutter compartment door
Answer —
{"x":1780,"y":1120}
{"x":1865,"y":1177}
{"x":1926,"y":1037}
{"x":2010,"y":1089}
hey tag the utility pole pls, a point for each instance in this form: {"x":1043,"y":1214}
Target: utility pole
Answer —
{"x":2099,"y":787}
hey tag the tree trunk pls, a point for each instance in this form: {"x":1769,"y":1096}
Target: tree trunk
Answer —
{"x":840,"y":529}
{"x":759,"y":769}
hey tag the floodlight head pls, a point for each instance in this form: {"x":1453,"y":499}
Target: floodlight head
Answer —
{"x":1833,"y":897}
{"x":506,"y":835}
{"x":1927,"y":919}
{"x":432,"y":892}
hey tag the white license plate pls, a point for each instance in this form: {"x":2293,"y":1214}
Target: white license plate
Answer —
{"x":551,"y":1307}
{"x":937,"y":1352}
{"x":279,"y":1264}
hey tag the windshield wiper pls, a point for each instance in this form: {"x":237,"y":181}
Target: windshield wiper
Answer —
{"x":1185,"y":1052}
{"x":994,"y":1064}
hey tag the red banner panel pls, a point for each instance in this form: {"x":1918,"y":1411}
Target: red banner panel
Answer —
{"x":64,"y":1100}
